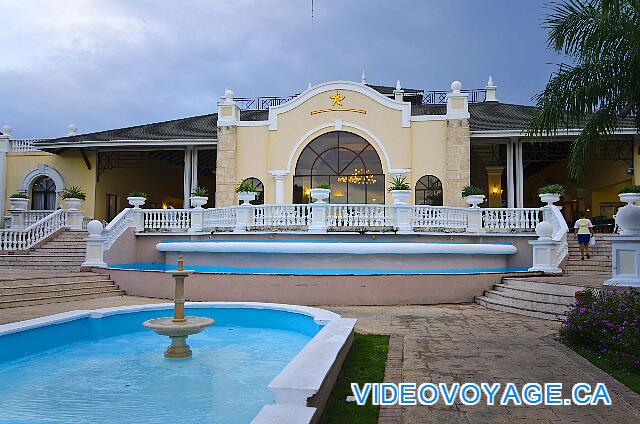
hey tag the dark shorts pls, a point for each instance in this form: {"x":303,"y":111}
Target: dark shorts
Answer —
{"x":583,"y":238}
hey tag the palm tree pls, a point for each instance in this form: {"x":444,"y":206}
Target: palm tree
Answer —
{"x":602,"y":87}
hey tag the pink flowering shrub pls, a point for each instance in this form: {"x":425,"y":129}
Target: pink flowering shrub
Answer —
{"x":608,"y":325}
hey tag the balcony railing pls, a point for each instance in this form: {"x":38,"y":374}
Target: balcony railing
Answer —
{"x":436,"y":97}
{"x":260,"y":103}
{"x":23,"y":146}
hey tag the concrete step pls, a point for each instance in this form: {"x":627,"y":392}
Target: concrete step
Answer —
{"x":539,"y":287}
{"x":57,"y":299}
{"x":52,"y":266}
{"x":529,"y":305}
{"x":534,"y":296}
{"x":58,"y":252}
{"x":504,"y":306}
{"x":61,"y":244}
{"x":65,"y":290}
{"x":50,"y":287}
{"x":25,"y":280}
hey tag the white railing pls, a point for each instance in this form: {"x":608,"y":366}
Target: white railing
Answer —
{"x":358,"y":216}
{"x":116,"y":227}
{"x":286,"y":216}
{"x":32,"y":216}
{"x":25,"y":238}
{"x":219,"y":218}
{"x":511,"y":219}
{"x":167,"y":219}
{"x":560,"y":231}
{"x":438,"y":217}
{"x":23,"y":146}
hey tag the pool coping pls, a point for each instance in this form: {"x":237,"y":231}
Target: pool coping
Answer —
{"x":303,"y":384}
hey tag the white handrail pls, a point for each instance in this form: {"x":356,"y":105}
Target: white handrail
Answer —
{"x":511,"y":218}
{"x":560,"y":231}
{"x":426,"y":216}
{"x":167,"y":219}
{"x":219,"y":218}
{"x":25,"y":238}
{"x":280,"y":216}
{"x":358,"y":216}
{"x":31,"y":216}
{"x":116,"y":227}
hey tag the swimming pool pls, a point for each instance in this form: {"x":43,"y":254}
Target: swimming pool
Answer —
{"x":103,"y":366}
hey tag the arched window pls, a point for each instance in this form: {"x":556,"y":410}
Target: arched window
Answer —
{"x":429,"y":191}
{"x":257,"y":184}
{"x":345,"y":161}
{"x":43,"y":194}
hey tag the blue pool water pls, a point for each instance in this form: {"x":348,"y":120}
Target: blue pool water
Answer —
{"x":117,"y":373}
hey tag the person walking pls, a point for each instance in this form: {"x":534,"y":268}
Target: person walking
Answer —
{"x":584,"y":234}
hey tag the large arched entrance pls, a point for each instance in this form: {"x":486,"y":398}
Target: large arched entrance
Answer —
{"x":345,"y":161}
{"x":43,"y":194}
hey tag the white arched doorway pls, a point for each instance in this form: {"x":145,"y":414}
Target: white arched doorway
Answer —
{"x":43,"y":184}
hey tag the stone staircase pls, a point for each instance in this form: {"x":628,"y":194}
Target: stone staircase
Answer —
{"x":535,"y":297}
{"x":30,"y":289}
{"x":599,"y":263}
{"x":64,"y":251}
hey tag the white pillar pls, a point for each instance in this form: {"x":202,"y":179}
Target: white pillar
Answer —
{"x":519,"y":168}
{"x":510,"y":177}
{"x":279,"y":176}
{"x":4,"y":148}
{"x":187,"y":179}
{"x":194,"y":168}
{"x":94,"y":254}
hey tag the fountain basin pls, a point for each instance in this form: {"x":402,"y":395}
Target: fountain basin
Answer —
{"x":178,"y":331}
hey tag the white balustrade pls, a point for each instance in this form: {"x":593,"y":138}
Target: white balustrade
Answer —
{"x":285,"y":216}
{"x":358,"y":216}
{"x":167,"y":219}
{"x":32,"y":216}
{"x":511,"y":219}
{"x":116,"y":227}
{"x":219,"y":218}
{"x":560,"y":231}
{"x":23,"y":146}
{"x":25,"y":238}
{"x":438,"y":217}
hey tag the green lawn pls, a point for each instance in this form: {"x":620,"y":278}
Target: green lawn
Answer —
{"x":631,"y":379}
{"x":364,"y":364}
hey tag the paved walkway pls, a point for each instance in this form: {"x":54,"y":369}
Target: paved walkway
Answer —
{"x":455,"y":343}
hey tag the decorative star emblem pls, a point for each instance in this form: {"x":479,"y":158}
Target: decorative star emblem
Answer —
{"x":337,"y":99}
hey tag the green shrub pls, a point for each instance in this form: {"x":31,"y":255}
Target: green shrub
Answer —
{"x":630,"y":189}
{"x":606,"y":325}
{"x":399,"y":183}
{"x":200,"y":192}
{"x":324,"y":185}
{"x":552,"y":189}
{"x":246,"y":186}
{"x":472,"y":191}
{"x":74,"y":192}
{"x":19,"y":196}
{"x":137,"y":194}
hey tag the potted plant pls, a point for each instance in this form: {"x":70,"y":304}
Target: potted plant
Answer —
{"x":400,"y":190}
{"x":629,"y":194}
{"x":320,"y":193}
{"x":137,"y":199}
{"x":246,"y":192}
{"x":199,"y":196}
{"x":628,"y":217}
{"x":73,"y":197}
{"x":551,"y":193}
{"x":473,"y":195}
{"x":19,"y":201}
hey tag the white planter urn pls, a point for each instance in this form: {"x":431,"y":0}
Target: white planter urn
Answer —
{"x":400,"y":197}
{"x":320,"y":194}
{"x":549,"y":198}
{"x":247,"y":196}
{"x":198,"y":201}
{"x":18,"y":203}
{"x":474,"y":200}
{"x":629,"y":198}
{"x":72,"y":203}
{"x":136,"y":201}
{"x":628,"y":217}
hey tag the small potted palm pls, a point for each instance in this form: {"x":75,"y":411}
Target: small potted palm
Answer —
{"x":551,"y":193}
{"x":629,"y":194}
{"x":473,"y":195}
{"x":320,"y":193}
{"x":199,"y":197}
{"x":246,"y":192}
{"x":73,"y":197}
{"x":400,"y":190}
{"x":137,"y":199}
{"x":19,"y":201}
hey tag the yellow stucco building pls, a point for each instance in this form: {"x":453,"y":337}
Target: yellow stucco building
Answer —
{"x":354,"y":136}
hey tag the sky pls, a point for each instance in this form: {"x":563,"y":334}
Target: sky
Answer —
{"x":104,"y":64}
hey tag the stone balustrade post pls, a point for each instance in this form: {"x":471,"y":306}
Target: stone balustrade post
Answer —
{"x":244,"y":217}
{"x":474,"y":220}
{"x":401,"y":218}
{"x":74,"y":219}
{"x":318,"y":224}
{"x":17,"y":218}
{"x":94,"y":256}
{"x":197,"y":220}
{"x":137,"y":219}
{"x":544,"y":249}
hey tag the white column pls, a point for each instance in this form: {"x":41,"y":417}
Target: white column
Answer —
{"x":4,"y":148}
{"x":187,"y":178}
{"x":510,"y":177}
{"x":279,"y":176}
{"x":194,"y":168}
{"x":519,"y":168}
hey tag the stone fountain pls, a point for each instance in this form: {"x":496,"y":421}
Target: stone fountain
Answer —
{"x":179,"y":327}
